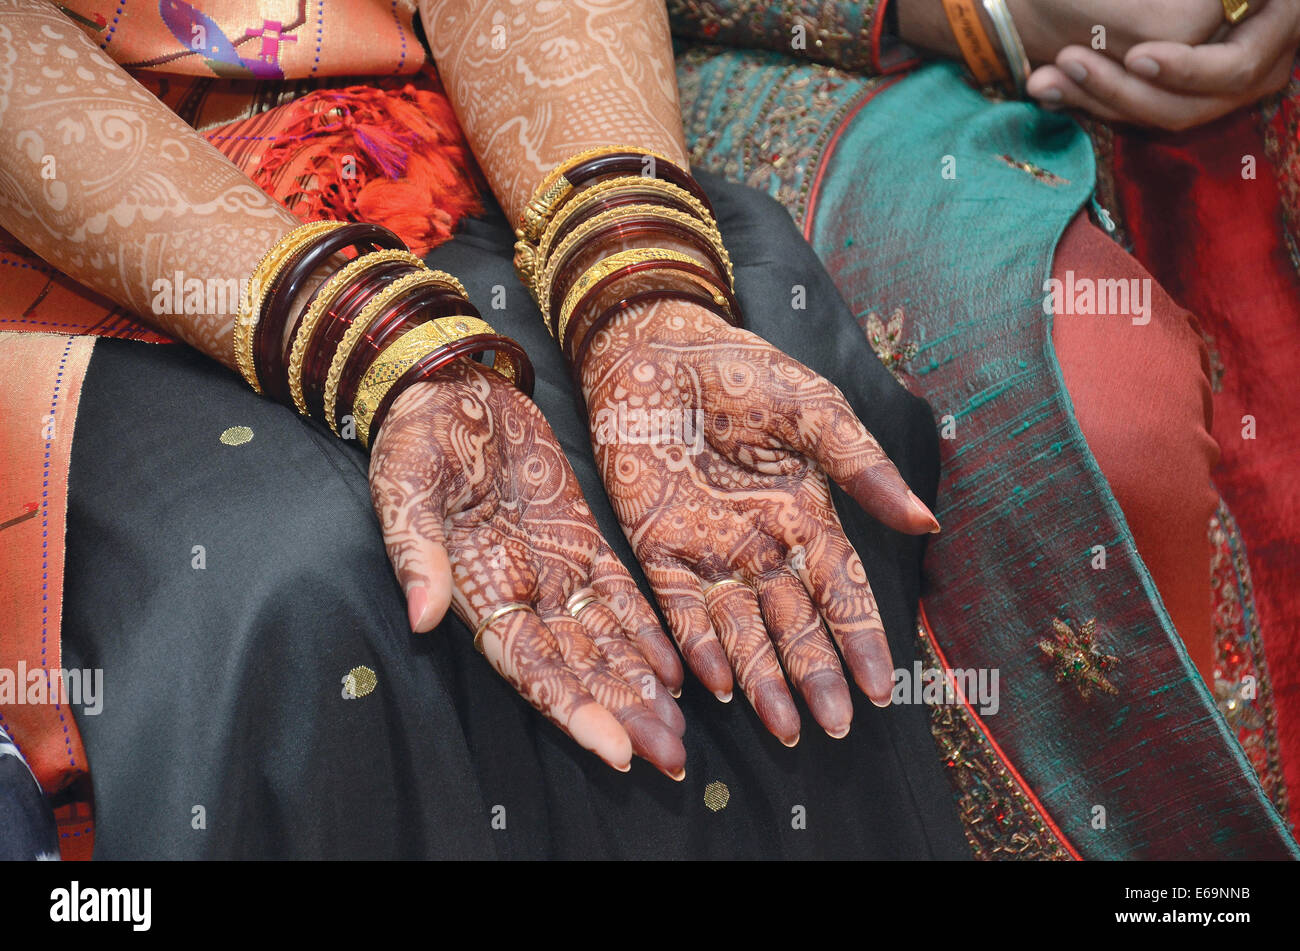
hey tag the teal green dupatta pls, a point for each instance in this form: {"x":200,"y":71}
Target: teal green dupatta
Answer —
{"x":919,"y":194}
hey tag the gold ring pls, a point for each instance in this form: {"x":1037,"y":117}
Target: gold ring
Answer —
{"x":499,"y":613}
{"x":724,"y":582}
{"x":1234,"y":11}
{"x":579,"y":600}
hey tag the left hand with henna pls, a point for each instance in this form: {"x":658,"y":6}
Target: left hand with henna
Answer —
{"x":747,"y":500}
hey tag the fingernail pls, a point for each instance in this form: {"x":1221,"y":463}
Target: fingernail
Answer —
{"x":1050,"y":94}
{"x":678,"y":776}
{"x":889,"y":700}
{"x":838,"y":736}
{"x":1076,"y":71}
{"x":792,"y":743}
{"x":625,"y":768}
{"x":1145,"y":66}
{"x":924,"y":511}
{"x":723,"y":695}
{"x":417,"y":601}
{"x":675,"y":694}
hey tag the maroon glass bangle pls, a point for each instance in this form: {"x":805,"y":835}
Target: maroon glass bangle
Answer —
{"x":629,"y":270}
{"x":630,"y":229}
{"x":268,"y":336}
{"x":329,"y":331}
{"x":417,"y":306}
{"x":634,"y":163}
{"x":629,"y":196}
{"x":584,"y":334}
{"x":427,"y":366}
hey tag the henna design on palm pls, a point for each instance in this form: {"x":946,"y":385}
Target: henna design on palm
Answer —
{"x":749,"y":501}
{"x":479,"y":508}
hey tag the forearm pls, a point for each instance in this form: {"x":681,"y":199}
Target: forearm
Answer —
{"x":111,"y":188}
{"x":533,"y":88}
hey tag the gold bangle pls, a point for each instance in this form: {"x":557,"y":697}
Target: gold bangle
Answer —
{"x":703,"y":229}
{"x":495,"y":616}
{"x":399,"y":356}
{"x":259,"y":281}
{"x":554,"y":187}
{"x":324,"y":300}
{"x":531,"y":259}
{"x":608,"y":265}
{"x":374,"y":307}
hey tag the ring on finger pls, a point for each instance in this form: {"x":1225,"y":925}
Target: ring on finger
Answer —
{"x":496,"y":615}
{"x":580,"y":600}
{"x":722,"y":584}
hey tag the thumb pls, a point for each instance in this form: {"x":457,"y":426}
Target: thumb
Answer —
{"x":412,"y":526}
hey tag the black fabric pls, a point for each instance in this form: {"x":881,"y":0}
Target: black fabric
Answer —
{"x":225,"y":732}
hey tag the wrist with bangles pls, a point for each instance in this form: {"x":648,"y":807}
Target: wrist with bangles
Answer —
{"x":1007,"y":64}
{"x":614,"y":227}
{"x":376,"y":326}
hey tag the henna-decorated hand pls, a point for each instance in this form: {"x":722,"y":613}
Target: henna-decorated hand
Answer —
{"x":714,"y":448}
{"x":480,"y":509}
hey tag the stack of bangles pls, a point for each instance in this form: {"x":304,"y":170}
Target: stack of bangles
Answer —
{"x":380,"y":323}
{"x":615,"y":227}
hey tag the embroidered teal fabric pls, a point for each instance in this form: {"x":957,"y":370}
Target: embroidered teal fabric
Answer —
{"x":922,"y":195}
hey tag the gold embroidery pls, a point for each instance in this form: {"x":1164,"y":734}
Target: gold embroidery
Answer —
{"x":1078,"y":659}
{"x":716,"y":796}
{"x":359,"y":682}
{"x":236,"y":435}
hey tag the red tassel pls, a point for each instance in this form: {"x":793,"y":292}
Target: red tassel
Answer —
{"x":392,"y":156}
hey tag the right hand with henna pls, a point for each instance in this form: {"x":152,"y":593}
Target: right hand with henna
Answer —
{"x":481,"y":511}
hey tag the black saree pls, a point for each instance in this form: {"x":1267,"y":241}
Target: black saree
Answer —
{"x":230,"y":586}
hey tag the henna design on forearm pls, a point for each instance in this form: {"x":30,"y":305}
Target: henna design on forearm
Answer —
{"x":104,"y":182}
{"x":534,"y":83}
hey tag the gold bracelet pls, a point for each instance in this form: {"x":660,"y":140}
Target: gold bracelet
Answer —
{"x":374,"y":307}
{"x":402,"y":354}
{"x":703,"y":229}
{"x":554,"y":188}
{"x":324,"y":300}
{"x":259,"y":282}
{"x":530,"y":259}
{"x":621,"y":259}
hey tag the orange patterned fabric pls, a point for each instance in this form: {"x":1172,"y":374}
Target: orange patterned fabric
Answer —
{"x":255,"y":39}
{"x":36,"y":446}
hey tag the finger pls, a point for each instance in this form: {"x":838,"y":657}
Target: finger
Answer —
{"x":678,"y":592}
{"x":651,"y":738}
{"x":521,"y":648}
{"x":1054,"y":90}
{"x":1236,"y":65}
{"x":629,"y":664}
{"x":620,"y":594}
{"x":806,"y":652}
{"x":411,"y":520}
{"x":824,"y":428}
{"x":832,"y":572}
{"x":1138,"y":99}
{"x":733,"y":609}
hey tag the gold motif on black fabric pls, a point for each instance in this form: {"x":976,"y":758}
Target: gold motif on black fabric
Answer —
{"x":359,"y":682}
{"x":236,"y":435}
{"x":1078,"y":659}
{"x":999,"y":820}
{"x":716,"y":796}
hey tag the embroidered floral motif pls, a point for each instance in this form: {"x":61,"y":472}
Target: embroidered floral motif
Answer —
{"x":1242,"y":687}
{"x":887,"y":340}
{"x":1078,"y":659}
{"x":999,"y":820}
